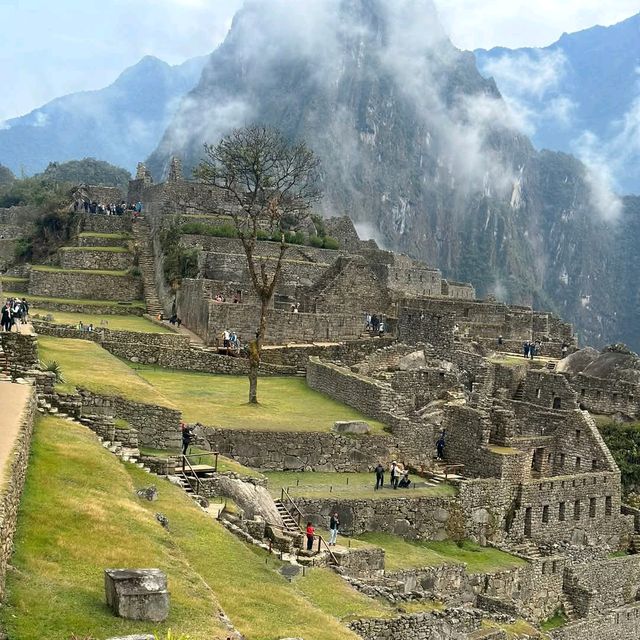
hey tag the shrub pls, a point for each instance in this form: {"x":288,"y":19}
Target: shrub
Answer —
{"x":331,"y":243}
{"x":134,"y":271}
{"x":263,"y":235}
{"x":202,"y":229}
{"x":55,"y":368}
{"x":316,"y":241}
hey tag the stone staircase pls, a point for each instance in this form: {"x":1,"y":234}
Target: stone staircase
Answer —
{"x":635,"y":543}
{"x":567,"y":608}
{"x":146,"y":264}
{"x":551,"y":365}
{"x":519,"y":394}
{"x":290,"y":524}
{"x":526,"y":549}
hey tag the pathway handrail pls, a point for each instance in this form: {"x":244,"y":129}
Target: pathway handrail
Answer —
{"x":195,"y":475}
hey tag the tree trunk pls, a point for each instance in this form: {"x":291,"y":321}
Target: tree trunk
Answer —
{"x":255,"y":352}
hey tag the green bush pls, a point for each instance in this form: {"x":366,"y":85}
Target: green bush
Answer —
{"x":316,"y":241}
{"x":331,"y":243}
{"x":263,"y":235}
{"x":134,"y":271}
{"x":53,"y":367}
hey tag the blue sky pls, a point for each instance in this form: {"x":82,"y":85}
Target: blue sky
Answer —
{"x":54,"y":47}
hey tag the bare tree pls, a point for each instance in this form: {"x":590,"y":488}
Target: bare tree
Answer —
{"x":272,"y":181}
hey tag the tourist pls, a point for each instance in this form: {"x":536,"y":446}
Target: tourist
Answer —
{"x":334,"y":523}
{"x":440,"y":445}
{"x":500,"y":341}
{"x":379,"y":476}
{"x":395,"y":472}
{"x":525,"y":348}
{"x":404,"y":480}
{"x":565,"y":349}
{"x":367,"y":322}
{"x":6,"y":317}
{"x":381,"y":328}
{"x":186,"y":438}
{"x":138,"y":207}
{"x":226,"y":340}
{"x":375,"y":323}
{"x":310,"y":536}
{"x":532,"y":350}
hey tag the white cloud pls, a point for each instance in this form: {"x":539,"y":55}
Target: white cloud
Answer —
{"x":474,"y":24}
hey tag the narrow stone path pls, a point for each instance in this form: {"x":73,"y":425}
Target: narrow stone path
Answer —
{"x":13,"y":399}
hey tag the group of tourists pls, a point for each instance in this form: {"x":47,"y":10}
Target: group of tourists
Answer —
{"x":230,"y":342}
{"x":110,"y":209}
{"x":531,"y":348}
{"x":398,"y":473}
{"x":14,"y":311}
{"x":374,"y":324}
{"x":334,"y":525}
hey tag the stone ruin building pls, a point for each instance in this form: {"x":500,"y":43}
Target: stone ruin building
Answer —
{"x":532,"y":474}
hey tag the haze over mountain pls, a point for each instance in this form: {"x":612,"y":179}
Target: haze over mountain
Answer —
{"x":422,"y":152}
{"x":580,"y":95}
{"x":121,"y":123}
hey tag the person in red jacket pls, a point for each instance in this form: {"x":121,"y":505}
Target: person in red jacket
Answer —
{"x":310,"y":535}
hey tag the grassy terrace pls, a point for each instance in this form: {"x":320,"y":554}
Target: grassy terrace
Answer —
{"x":347,"y":485}
{"x":87,"y":365}
{"x":80,"y":514}
{"x":86,"y":272}
{"x":120,"y":323}
{"x":10,"y":279}
{"x":286,"y":404}
{"x":41,"y":300}
{"x":106,"y":236}
{"x":403,"y":554}
{"x":105,"y":249}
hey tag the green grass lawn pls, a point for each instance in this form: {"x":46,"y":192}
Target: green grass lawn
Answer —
{"x":346,"y":485}
{"x":87,"y":365}
{"x":286,"y":404}
{"x":43,"y":300}
{"x":95,"y":272}
{"x":11,"y":279}
{"x":80,"y":515}
{"x":104,"y":249}
{"x":119,"y":323}
{"x":110,"y":236}
{"x":405,"y":554}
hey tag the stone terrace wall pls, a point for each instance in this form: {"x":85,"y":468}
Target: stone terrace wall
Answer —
{"x":301,"y":451}
{"x":72,"y":258}
{"x":119,"y":309}
{"x":444,"y":625}
{"x":93,"y":286}
{"x":100,"y":223}
{"x":620,"y":624}
{"x":347,"y":353}
{"x":607,"y":396}
{"x":97,"y":241}
{"x":604,"y":585}
{"x":12,"y":485}
{"x":406,"y":515}
{"x":173,"y":351}
{"x":21,"y":351}
{"x":418,"y":326}
{"x":157,"y":427}
{"x":296,"y":252}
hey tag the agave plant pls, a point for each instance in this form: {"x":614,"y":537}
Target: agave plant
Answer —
{"x":55,"y":368}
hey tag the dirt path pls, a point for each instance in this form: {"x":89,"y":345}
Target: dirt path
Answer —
{"x":13,"y":398}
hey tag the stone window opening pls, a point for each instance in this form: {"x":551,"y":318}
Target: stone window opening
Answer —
{"x":594,"y":467}
{"x":578,"y":434}
{"x":537,"y":460}
{"x":557,"y":403}
{"x":527,"y":522}
{"x":545,"y":513}
{"x":554,"y":566}
{"x":614,"y":397}
{"x":578,"y":463}
{"x":608,"y":508}
{"x":583,"y":392}
{"x":576,"y":510}
{"x":562,"y":464}
{"x":630,"y":398}
{"x":592,"y":507}
{"x":561,"y":512}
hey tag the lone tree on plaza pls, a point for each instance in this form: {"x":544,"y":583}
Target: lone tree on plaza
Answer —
{"x":273,"y":182}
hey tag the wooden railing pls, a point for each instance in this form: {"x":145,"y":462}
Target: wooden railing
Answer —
{"x":300,"y":516}
{"x":194,"y":476}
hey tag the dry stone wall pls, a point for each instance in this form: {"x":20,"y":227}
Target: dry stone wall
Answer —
{"x":74,"y":258}
{"x":11,"y":490}
{"x":100,"y":223}
{"x":619,"y":624}
{"x":84,"y":284}
{"x":301,"y":451}
{"x":21,"y":351}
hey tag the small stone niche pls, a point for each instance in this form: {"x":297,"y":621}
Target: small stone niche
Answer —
{"x":137,"y":594}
